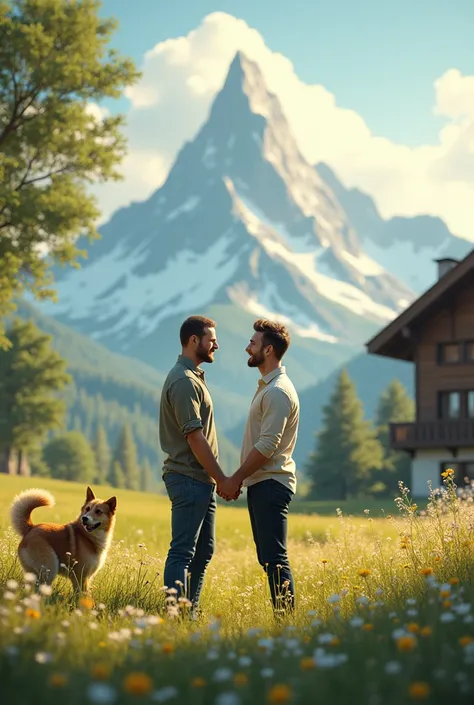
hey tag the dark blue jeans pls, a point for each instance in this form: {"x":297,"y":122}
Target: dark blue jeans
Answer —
{"x":268,"y":503}
{"x":193,"y":512}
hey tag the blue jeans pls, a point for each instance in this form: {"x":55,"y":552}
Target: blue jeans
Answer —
{"x":268,"y":503}
{"x":193,"y":512}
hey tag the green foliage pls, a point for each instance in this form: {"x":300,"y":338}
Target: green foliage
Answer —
{"x":31,"y":375}
{"x":102,"y":454}
{"x":395,"y":406}
{"x":70,"y":457}
{"x":117,"y":475}
{"x":147,"y":481}
{"x":55,"y":68}
{"x":347,"y":453}
{"x":125,"y":454}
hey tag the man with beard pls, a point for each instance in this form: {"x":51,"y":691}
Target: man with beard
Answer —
{"x":267,"y":466}
{"x":191,"y":469}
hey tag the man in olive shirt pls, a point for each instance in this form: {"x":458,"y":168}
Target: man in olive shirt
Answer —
{"x":267,"y":466}
{"x":191,"y":470}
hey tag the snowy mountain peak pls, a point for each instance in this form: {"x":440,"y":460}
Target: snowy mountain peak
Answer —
{"x":242,"y":221}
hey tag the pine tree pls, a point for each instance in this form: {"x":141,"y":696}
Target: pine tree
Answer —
{"x":126,"y":454}
{"x":146,"y":477}
{"x":117,"y":475}
{"x":31,"y":375}
{"x":395,"y":406}
{"x":102,"y":455}
{"x":55,"y":60}
{"x":347,"y":451}
{"x":70,"y":457}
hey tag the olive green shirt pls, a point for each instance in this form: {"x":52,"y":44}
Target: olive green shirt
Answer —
{"x":186,"y":406}
{"x":272,"y":428}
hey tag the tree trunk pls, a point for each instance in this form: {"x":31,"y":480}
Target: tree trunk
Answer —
{"x":6,"y":465}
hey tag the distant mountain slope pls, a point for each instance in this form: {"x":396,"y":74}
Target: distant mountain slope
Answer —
{"x":112,"y":390}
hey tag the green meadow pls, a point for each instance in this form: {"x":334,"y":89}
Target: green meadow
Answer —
{"x":384,"y":610}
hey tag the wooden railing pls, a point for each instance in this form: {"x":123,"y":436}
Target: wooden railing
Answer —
{"x":432,"y":434}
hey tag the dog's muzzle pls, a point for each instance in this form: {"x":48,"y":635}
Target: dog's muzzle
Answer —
{"x":88,"y":526}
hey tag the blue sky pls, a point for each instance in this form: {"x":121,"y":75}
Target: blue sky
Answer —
{"x":378,"y":58}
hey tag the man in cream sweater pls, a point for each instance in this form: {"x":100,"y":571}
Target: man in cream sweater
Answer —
{"x":267,"y":467}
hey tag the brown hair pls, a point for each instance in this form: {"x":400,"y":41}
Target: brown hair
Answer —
{"x":274,"y":334}
{"x":194,"y":325}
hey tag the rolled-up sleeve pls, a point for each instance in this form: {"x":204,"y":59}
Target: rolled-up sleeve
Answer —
{"x":185,"y":399}
{"x":276,"y":408}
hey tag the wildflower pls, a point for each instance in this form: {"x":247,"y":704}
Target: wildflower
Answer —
{"x":447,"y":617}
{"x":324,"y":561}
{"x":137,"y":683}
{"x":454,"y":581}
{"x":57,"y":680}
{"x":43,"y":657}
{"x":222,"y":674}
{"x":167,"y":648}
{"x":45,"y":590}
{"x":426,"y":631}
{"x":101,"y":693}
{"x":87,"y":603}
{"x":267,"y":672}
{"x":419,"y":690}
{"x":280,"y":693}
{"x":240,"y":679}
{"x":413,"y":627}
{"x":307,"y":663}
{"x":449,"y":472}
{"x":392,"y":668}
{"x":228,"y":698}
{"x":356,"y":622}
{"x":426,"y":571}
{"x":34,"y":614}
{"x":465,"y":640}
{"x":368,"y":627}
{"x":364,"y":572}
{"x":12,"y":584}
{"x":333,"y":599}
{"x":198,"y":682}
{"x":447,"y":604}
{"x":406,"y":643}
{"x":100,"y":672}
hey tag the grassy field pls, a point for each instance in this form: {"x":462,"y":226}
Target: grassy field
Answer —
{"x":383,"y":611}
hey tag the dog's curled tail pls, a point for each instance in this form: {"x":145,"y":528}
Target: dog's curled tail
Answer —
{"x":22,"y":506}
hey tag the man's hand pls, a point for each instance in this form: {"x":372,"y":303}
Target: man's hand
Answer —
{"x":229,"y":488}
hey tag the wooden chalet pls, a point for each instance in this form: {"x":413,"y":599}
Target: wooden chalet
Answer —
{"x":436,"y":333}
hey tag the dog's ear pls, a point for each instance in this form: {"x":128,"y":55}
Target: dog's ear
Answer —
{"x":89,"y":495}
{"x":112,"y":502}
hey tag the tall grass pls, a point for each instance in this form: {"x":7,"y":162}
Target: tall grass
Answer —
{"x":384,"y":615}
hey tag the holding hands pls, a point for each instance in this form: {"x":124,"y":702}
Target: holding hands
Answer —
{"x":229,"y":488}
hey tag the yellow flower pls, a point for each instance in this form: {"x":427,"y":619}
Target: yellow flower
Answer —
{"x":137,"y":683}
{"x":364,"y":572}
{"x":102,"y":644}
{"x":240,"y":679}
{"x":34,"y":614}
{"x":100,"y":672}
{"x":406,"y":643}
{"x":413,"y":627}
{"x":87,"y":603}
{"x":306,"y":664}
{"x":449,"y":472}
{"x":445,"y":593}
{"x":426,"y":571}
{"x":419,"y":690}
{"x":465,"y":640}
{"x":57,"y":680}
{"x":426,"y":631}
{"x":280,"y":693}
{"x":453,"y":581}
{"x":368,"y":627}
{"x":437,"y":558}
{"x":198,"y":682}
{"x":324,"y":561}
{"x":447,"y":604}
{"x":167,"y":648}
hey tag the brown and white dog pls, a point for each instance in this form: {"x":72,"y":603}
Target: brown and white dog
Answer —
{"x":77,"y":549}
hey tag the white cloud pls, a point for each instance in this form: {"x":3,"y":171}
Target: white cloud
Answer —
{"x":182,"y":75}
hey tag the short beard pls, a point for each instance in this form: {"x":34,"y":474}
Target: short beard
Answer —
{"x":256,"y":360}
{"x":203,"y":355}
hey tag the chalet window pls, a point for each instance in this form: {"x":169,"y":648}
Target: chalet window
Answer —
{"x":450,"y":405}
{"x":470,"y":404}
{"x":449,"y":353}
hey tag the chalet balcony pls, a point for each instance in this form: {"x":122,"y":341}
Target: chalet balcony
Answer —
{"x":432,"y":434}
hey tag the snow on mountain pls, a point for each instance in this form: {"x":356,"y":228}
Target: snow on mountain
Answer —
{"x":242,"y":219}
{"x":407,"y":247}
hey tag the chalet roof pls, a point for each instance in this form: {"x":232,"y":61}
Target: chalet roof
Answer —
{"x":396,"y":340}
